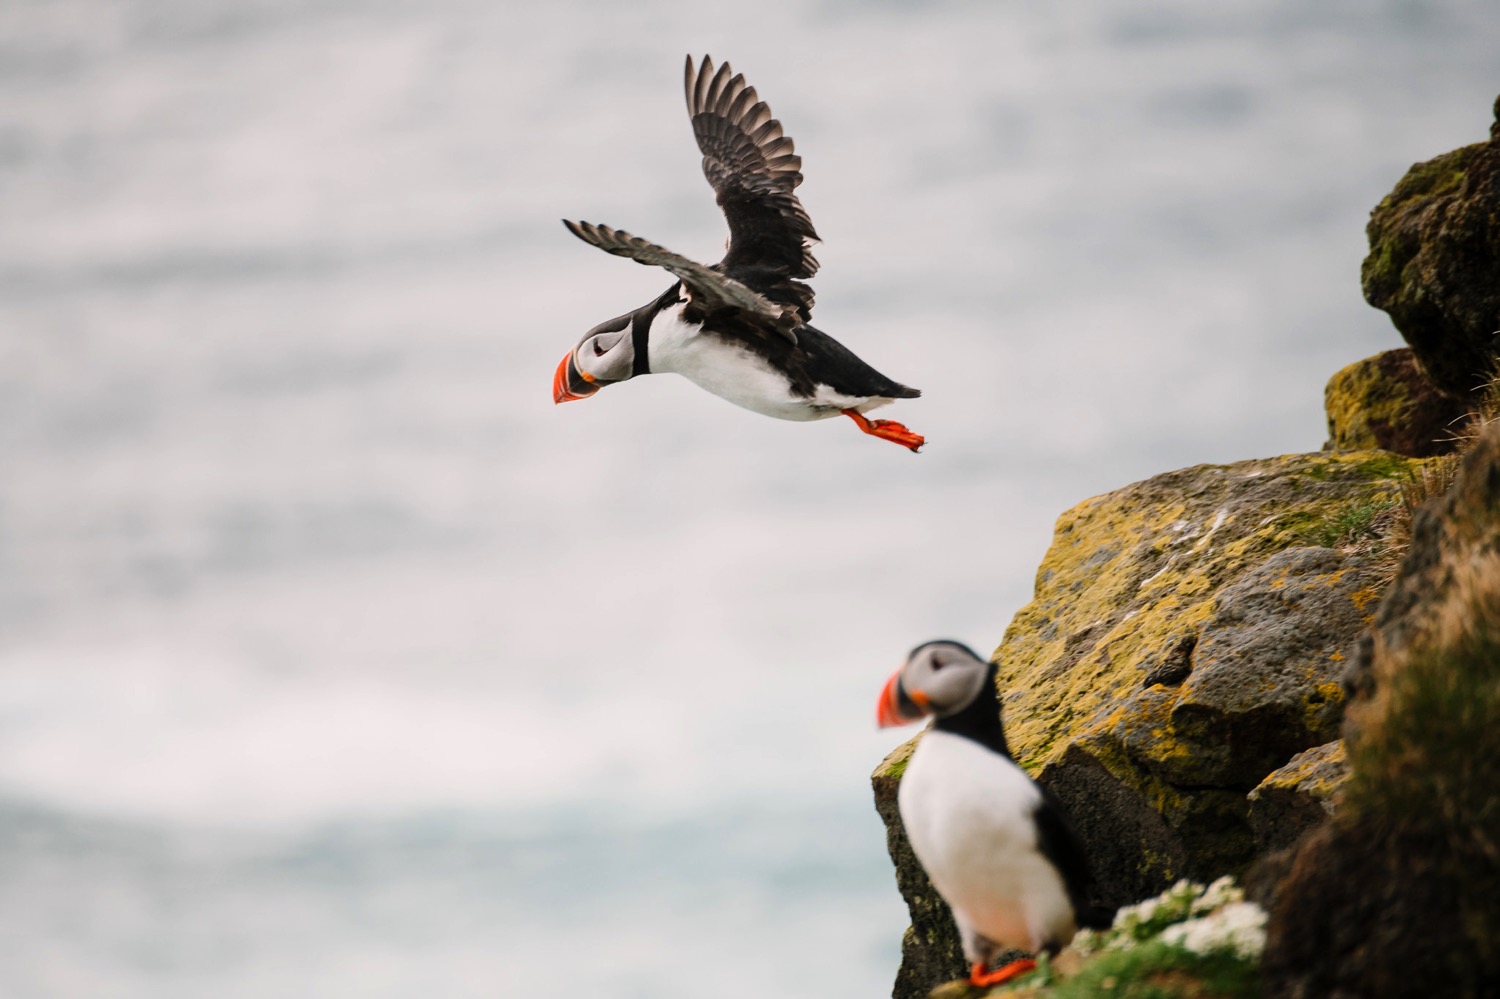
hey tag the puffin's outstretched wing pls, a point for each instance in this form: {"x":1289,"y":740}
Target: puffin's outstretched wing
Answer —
{"x":712,"y":290}
{"x":754,"y":171}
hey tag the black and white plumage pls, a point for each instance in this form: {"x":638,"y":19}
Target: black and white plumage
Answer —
{"x":995,"y":844}
{"x":739,"y":328}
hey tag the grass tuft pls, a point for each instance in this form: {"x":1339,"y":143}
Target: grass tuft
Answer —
{"x":1354,"y":526}
{"x":1160,"y":970}
{"x":1432,"y":480}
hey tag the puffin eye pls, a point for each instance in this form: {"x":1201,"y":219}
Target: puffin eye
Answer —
{"x":937,"y":664}
{"x":598,"y":347}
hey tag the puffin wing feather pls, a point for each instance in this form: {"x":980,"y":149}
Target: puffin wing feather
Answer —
{"x":754,"y":171}
{"x":713,"y":290}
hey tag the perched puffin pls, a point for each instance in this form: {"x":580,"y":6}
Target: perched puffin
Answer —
{"x":994,"y":843}
{"x":740,"y":327}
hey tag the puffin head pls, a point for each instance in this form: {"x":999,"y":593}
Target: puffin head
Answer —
{"x":605,"y":355}
{"x":937,"y":679}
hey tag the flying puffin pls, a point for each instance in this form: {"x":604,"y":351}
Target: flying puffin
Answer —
{"x":740,"y":327}
{"x":994,"y":843}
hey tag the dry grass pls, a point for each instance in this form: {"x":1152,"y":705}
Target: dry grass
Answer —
{"x":1432,"y":481}
{"x":1393,"y":531}
{"x":1483,"y":415}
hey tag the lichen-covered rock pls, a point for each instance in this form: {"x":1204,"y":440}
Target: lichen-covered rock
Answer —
{"x":1298,"y":796}
{"x":1399,"y":895}
{"x":1388,"y":402}
{"x":930,"y":951}
{"x":1133,"y":575}
{"x":1186,"y":638}
{"x":1266,"y":671}
{"x":1434,"y":262}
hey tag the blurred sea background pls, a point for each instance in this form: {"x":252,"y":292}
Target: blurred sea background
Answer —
{"x":336,"y":661}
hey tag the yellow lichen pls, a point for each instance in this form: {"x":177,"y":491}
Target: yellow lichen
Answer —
{"x":1364,"y":599}
{"x":1358,"y":397}
{"x":1130,"y":572}
{"x":1299,"y":772}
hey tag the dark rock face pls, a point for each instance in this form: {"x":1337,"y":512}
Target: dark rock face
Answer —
{"x":1265,"y":679}
{"x":1323,"y":938}
{"x":1388,"y":402}
{"x":1434,"y":262}
{"x":1297,"y":797}
{"x":1132,"y":846}
{"x":1400,"y":894}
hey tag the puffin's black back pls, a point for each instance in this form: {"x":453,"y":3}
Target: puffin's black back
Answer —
{"x":1057,"y":840}
{"x":826,"y":360}
{"x":815,"y":359}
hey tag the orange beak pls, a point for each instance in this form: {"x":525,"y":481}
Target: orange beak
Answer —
{"x":898,"y":706}
{"x":568,"y":383}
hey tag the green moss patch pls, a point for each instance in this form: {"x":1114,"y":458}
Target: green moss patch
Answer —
{"x":1191,"y":942}
{"x":1163,"y":971}
{"x":1352,"y":524}
{"x":1439,"y":177}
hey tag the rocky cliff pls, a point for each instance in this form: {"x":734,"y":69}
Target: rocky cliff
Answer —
{"x":1434,"y":256}
{"x":1180,"y":678}
{"x":1184,"y":645}
{"x":1400,"y":894}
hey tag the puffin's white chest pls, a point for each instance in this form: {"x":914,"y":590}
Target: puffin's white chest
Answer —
{"x":968,"y":813}
{"x":734,"y":373}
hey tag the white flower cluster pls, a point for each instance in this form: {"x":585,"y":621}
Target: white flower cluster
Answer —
{"x":1193,"y":916}
{"x":1238,"y":926}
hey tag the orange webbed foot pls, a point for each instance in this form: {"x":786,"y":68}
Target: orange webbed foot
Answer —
{"x":1015,"y":969}
{"x":887,"y":430}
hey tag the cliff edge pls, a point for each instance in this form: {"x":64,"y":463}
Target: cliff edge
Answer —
{"x":1224,"y":670}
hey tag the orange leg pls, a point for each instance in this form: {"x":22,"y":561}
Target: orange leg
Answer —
{"x":887,"y":430}
{"x":1014,"y":969}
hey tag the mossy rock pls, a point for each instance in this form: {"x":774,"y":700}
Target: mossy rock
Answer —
{"x":1399,"y":895}
{"x":1298,"y":796}
{"x":1388,"y":402}
{"x":1434,"y":262}
{"x":1187,"y":636}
